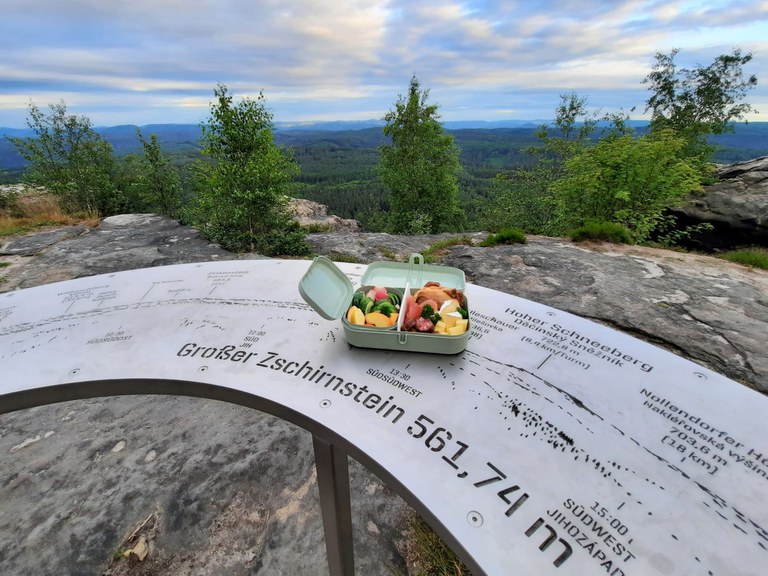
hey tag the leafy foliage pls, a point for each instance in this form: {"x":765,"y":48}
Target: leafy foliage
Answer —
{"x":158,"y":182}
{"x":625,"y":180}
{"x":242,"y":201}
{"x":420,"y":168}
{"x":700,"y":100}
{"x":411,"y":176}
{"x":696,"y":102}
{"x":71,"y":160}
{"x":8,"y":200}
{"x":522,"y":199}
{"x":525,"y":198}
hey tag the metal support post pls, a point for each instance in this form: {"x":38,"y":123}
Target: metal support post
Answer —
{"x":333,"y":482}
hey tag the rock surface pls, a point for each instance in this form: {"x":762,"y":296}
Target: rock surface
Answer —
{"x":736,"y":205}
{"x":315,"y":215}
{"x":705,"y":309}
{"x":229,"y":490}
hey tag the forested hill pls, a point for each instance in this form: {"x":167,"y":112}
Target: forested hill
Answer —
{"x":338,"y":160}
{"x":476,"y":139}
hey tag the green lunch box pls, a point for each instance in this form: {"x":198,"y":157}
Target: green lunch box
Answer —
{"x":328,"y":290}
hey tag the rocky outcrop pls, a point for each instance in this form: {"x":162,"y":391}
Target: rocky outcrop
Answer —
{"x":705,"y":309}
{"x":234,"y":490}
{"x":315,"y":216}
{"x":736,"y":206}
{"x":123,"y":242}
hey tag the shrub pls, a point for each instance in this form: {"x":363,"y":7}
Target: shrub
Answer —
{"x":753,"y":257}
{"x":629,"y":181}
{"x":505,"y":236}
{"x":8,"y":199}
{"x":286,"y":242}
{"x":604,"y":231}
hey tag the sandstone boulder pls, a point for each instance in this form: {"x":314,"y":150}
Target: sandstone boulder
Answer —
{"x":736,"y":206}
{"x":315,"y":215}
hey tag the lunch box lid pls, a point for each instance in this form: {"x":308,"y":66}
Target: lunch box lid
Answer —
{"x":326,"y":288}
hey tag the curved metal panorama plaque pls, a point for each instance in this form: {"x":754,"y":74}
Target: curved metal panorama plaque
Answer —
{"x":552,"y":445}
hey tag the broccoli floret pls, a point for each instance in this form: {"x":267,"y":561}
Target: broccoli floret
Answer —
{"x":428,"y":312}
{"x":385,"y":307}
{"x":463,"y":312}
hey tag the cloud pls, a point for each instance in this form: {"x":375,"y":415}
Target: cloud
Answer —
{"x":350,"y":57}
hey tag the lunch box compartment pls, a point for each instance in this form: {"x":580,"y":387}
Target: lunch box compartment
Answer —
{"x":328,"y":290}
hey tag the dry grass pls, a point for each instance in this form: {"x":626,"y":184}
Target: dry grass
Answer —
{"x":35,"y":209}
{"x":425,"y":552}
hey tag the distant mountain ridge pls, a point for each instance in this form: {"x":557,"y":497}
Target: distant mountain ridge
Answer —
{"x":751,"y":139}
{"x":322,"y":126}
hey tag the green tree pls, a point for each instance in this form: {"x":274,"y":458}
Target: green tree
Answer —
{"x":242,"y":202}
{"x":70,"y":160}
{"x":524,"y":198}
{"x":699,"y":101}
{"x":569,"y":133}
{"x":420,"y":168}
{"x":158,"y":181}
{"x":625,"y":180}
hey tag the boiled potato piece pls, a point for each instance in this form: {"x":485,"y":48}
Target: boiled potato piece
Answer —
{"x":355,"y":316}
{"x":378,"y":319}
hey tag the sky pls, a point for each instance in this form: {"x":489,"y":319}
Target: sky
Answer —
{"x":158,"y":61}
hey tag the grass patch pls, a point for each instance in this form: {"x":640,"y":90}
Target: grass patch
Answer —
{"x":341,"y":257}
{"x":433,"y":252}
{"x":389,"y":255}
{"x":4,"y":264}
{"x":317,"y":228}
{"x":752,"y":257}
{"x":603,"y":231}
{"x":427,"y":554}
{"x":505,"y":236}
{"x":36,"y":211}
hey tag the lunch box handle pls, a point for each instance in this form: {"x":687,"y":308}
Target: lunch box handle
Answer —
{"x":415,"y":267}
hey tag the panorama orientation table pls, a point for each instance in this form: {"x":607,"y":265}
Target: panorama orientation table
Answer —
{"x":551,"y":445}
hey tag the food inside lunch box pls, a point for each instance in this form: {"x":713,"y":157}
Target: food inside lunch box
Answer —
{"x":432,"y":309}
{"x":376,"y":307}
{"x":436,"y":309}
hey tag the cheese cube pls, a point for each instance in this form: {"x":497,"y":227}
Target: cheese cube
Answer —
{"x":450,"y":318}
{"x":448,"y":307}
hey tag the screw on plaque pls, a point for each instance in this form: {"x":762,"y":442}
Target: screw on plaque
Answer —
{"x":74,"y":372}
{"x":325,"y":403}
{"x":475,"y":519}
{"x":203,"y":369}
{"x":700,"y":376}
